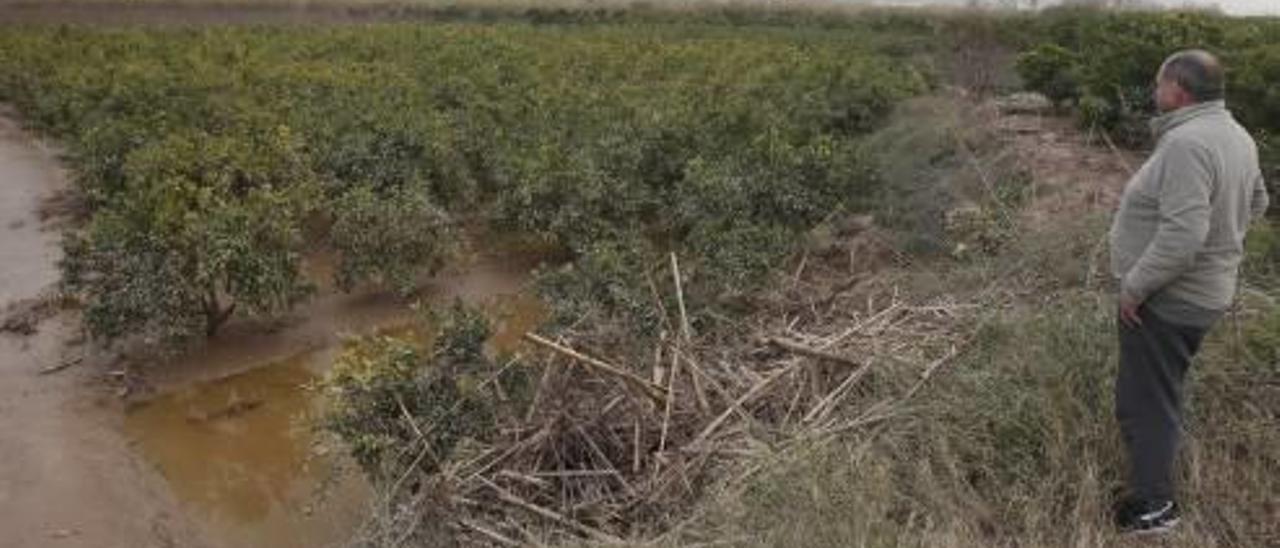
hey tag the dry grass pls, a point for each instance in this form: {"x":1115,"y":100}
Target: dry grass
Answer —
{"x":604,"y":453}
{"x":621,"y":446}
{"x":874,"y":398}
{"x":1014,"y":444}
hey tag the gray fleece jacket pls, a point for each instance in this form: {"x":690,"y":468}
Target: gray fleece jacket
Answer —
{"x":1178,"y":237}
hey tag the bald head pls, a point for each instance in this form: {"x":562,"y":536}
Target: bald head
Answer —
{"x":1197,"y":72}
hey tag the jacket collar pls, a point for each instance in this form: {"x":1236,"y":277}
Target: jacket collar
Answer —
{"x":1165,"y":123}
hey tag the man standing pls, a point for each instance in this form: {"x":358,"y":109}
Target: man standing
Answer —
{"x":1176,"y":245}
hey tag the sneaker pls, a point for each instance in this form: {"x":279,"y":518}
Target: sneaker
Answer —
{"x":1146,"y":516}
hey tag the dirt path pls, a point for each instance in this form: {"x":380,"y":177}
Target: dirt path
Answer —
{"x":67,"y":476}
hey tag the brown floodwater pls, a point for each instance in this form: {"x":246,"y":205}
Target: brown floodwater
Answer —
{"x":240,"y":454}
{"x":231,"y":430}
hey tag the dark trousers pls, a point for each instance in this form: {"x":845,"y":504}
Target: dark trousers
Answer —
{"x":1154,"y":359}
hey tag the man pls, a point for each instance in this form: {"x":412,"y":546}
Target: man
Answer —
{"x":1176,"y":244}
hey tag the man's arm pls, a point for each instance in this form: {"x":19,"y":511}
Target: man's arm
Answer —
{"x":1185,"y":188}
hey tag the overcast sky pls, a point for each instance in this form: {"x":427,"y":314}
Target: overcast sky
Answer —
{"x":1234,"y":7}
{"x":1245,"y":7}
{"x":1271,"y":7}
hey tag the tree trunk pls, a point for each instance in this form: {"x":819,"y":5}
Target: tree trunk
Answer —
{"x":214,"y":313}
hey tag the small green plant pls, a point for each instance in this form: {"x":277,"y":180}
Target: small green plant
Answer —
{"x":1051,"y":70}
{"x":396,"y":404}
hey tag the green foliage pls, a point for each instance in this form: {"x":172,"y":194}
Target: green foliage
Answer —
{"x":625,"y":140}
{"x":1263,"y":339}
{"x":1050,"y":69}
{"x":387,"y":396}
{"x":1255,"y":98}
{"x":204,"y":223}
{"x":604,"y":281}
{"x":1107,"y":61}
{"x":388,"y":239}
{"x":943,"y":181}
{"x":1262,"y":255}
{"x":917,"y":160}
{"x":361,"y":394}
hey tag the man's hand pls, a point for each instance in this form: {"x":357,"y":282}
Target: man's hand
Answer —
{"x":1129,"y":311}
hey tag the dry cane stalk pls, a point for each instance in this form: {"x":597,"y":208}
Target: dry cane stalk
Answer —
{"x":648,"y":388}
{"x":635,"y":449}
{"x":862,"y":325}
{"x":666,"y":413}
{"x":694,"y":371}
{"x":510,"y":498}
{"x":827,"y":403}
{"x":605,"y":460}
{"x":684,"y":317}
{"x":810,"y":352}
{"x":488,"y":533}
{"x":759,"y":387}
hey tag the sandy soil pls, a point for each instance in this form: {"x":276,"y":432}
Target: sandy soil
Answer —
{"x":1074,"y":172}
{"x":67,"y":475}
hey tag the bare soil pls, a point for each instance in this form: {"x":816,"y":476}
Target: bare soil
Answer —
{"x":67,"y":475}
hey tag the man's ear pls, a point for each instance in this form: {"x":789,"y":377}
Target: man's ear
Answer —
{"x":1184,"y":97}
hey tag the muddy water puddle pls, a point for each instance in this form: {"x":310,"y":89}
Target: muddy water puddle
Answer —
{"x":240,"y":454}
{"x":240,"y":451}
